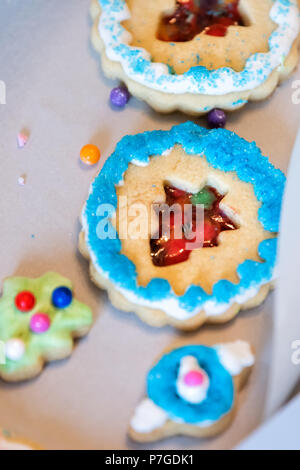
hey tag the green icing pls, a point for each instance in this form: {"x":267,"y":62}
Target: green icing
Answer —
{"x":204,"y":197}
{"x":15,"y":324}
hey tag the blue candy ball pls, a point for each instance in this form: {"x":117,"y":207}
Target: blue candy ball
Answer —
{"x":62,"y":297}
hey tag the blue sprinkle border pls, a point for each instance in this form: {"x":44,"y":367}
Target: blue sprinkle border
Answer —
{"x":224,"y":150}
{"x":198,"y":79}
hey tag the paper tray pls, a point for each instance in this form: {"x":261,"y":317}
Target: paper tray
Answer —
{"x":55,"y":88}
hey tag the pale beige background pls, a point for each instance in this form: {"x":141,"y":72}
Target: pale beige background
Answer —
{"x":56,"y":89}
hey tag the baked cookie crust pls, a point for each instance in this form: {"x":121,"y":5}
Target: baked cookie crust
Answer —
{"x":236,"y":274}
{"x":205,"y":266}
{"x":158,"y":318}
{"x":197,"y":103}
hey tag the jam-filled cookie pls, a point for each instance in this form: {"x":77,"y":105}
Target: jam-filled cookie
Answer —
{"x":192,"y":391}
{"x":180,"y":226}
{"x":38,"y":320}
{"x":195,"y":55}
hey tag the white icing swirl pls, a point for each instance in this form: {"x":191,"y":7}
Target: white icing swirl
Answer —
{"x":148,"y":417}
{"x":235,"y":356}
{"x":193,"y":394}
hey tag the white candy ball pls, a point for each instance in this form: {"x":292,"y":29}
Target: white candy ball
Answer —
{"x":14,"y":349}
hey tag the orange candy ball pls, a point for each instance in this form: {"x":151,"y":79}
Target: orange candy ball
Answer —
{"x":90,"y":154}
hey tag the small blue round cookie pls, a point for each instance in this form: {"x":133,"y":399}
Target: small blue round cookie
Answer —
{"x":161,"y":386}
{"x":192,"y":390}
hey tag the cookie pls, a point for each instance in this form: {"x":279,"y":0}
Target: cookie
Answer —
{"x":38,"y":320}
{"x":192,"y":391}
{"x":171,"y":278}
{"x":197,"y":55}
{"x":9,"y":442}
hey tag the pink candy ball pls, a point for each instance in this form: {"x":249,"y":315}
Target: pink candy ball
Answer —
{"x":40,"y":322}
{"x":194,"y":378}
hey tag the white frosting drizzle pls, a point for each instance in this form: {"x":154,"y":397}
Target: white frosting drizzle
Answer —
{"x":148,"y":416}
{"x":172,"y":308}
{"x":259,"y":66}
{"x":235,"y":356}
{"x":192,"y":394}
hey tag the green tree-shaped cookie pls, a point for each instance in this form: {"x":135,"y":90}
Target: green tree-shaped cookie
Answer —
{"x":38,"y":320}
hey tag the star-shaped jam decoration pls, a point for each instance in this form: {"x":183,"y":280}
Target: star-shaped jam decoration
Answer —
{"x":166,"y":246}
{"x":191,"y":17}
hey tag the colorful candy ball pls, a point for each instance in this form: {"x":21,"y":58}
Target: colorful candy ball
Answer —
{"x":40,"y":322}
{"x":14,"y":349}
{"x":119,"y":96}
{"x":90,"y":154}
{"x":216,"y":118}
{"x":193,"y":378}
{"x":62,"y":297}
{"x":25,"y":301}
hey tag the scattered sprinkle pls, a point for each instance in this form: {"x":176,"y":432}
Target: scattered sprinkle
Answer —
{"x":119,"y":96}
{"x":216,"y":118}
{"x":22,"y":180}
{"x":22,"y":139}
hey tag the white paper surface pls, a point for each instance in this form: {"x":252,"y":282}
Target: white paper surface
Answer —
{"x":285,"y":364}
{"x":55,"y":89}
{"x":279,"y":433}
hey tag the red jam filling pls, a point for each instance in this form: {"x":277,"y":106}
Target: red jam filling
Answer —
{"x":166,"y":246}
{"x":191,"y":17}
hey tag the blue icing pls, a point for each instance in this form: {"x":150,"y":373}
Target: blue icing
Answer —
{"x":193,"y":297}
{"x":139,"y":66}
{"x":157,"y":289}
{"x":239,"y":102}
{"x":161,"y":386}
{"x":225,"y":151}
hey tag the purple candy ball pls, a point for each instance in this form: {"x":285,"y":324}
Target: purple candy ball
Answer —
{"x":216,"y":118}
{"x":119,"y":96}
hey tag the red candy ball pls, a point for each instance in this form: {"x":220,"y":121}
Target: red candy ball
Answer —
{"x":25,"y":301}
